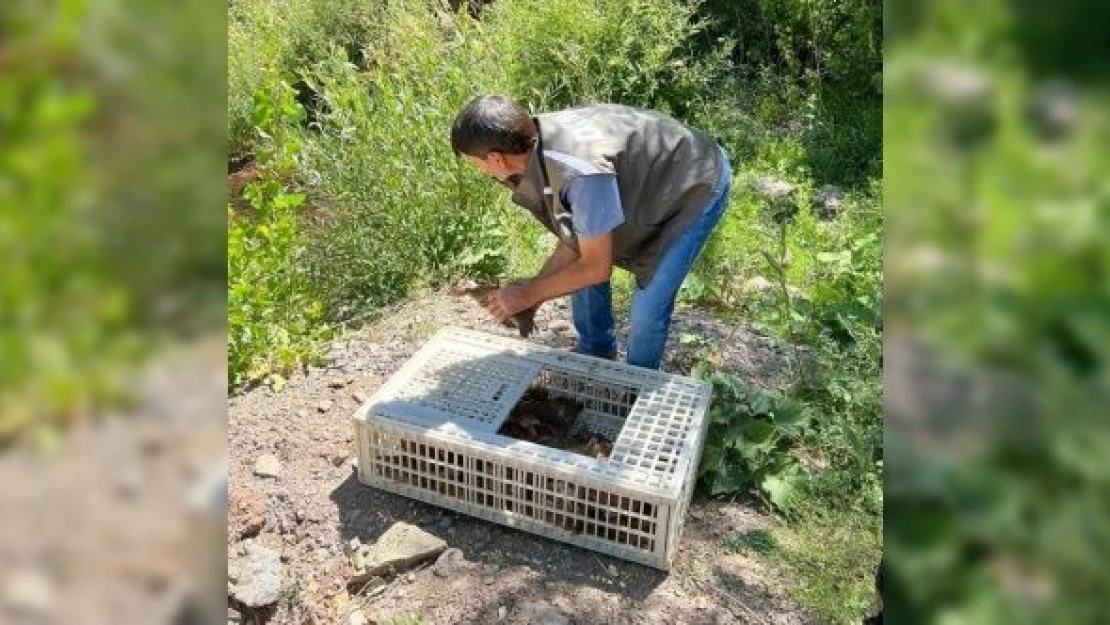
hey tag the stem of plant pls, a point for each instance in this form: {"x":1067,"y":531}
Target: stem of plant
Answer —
{"x":788,"y":306}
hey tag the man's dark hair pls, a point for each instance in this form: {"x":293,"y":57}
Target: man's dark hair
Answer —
{"x":492,"y":123}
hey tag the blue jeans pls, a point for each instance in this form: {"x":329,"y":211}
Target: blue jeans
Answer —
{"x":652,"y":306}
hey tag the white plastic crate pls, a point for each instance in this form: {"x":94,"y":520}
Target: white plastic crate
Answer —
{"x":430,"y":433}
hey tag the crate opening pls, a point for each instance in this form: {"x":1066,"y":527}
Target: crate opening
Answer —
{"x":567,"y":411}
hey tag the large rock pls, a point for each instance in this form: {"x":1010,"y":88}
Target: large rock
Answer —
{"x":402,"y":547}
{"x":256,"y":580}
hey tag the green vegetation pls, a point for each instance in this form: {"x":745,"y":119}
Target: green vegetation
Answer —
{"x":999,"y":375}
{"x":108,"y":245}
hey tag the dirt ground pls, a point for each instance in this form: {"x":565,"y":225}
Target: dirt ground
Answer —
{"x":317,"y":505}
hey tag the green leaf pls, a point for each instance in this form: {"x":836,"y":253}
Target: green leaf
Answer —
{"x":701,"y":370}
{"x":782,"y":487}
{"x":758,"y":432}
{"x":733,"y":479}
{"x":734,"y":437}
{"x":834,"y":258}
{"x":772,"y":261}
{"x":788,"y":413}
{"x":761,"y":404}
{"x":719,"y":415}
{"x":711,"y":459}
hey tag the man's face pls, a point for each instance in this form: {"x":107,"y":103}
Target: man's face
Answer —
{"x":493,"y":165}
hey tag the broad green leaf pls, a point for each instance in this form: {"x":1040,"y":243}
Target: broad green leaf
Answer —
{"x":781,"y":487}
{"x":758,"y":431}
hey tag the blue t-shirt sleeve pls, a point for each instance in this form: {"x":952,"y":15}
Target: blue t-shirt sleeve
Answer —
{"x":595,"y":204}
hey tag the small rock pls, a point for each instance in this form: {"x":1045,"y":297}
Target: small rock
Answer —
{"x":357,"y":618}
{"x":267,"y":465}
{"x":360,"y":397}
{"x":352,"y":546}
{"x":247,"y":511}
{"x":338,"y":457}
{"x":339,"y":382}
{"x":260,"y":578}
{"x":302,"y":414}
{"x":325,"y":405}
{"x":502,"y":612}
{"x":410,"y":578}
{"x":28,"y":593}
{"x":449,"y":563}
{"x":542,"y":613}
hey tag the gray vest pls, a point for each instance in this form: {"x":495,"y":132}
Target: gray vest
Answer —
{"x":665,"y":171}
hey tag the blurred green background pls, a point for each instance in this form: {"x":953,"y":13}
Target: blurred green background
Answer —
{"x":110,"y":155}
{"x":998,"y":312}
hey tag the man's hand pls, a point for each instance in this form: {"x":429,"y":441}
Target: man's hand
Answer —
{"x":525,"y":320}
{"x":510,"y":299}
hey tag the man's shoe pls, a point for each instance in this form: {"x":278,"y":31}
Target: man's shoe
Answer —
{"x":612,"y":356}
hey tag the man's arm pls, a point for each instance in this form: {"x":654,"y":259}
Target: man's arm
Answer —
{"x":593,"y":265}
{"x":597,"y":211}
{"x":560,"y":257}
